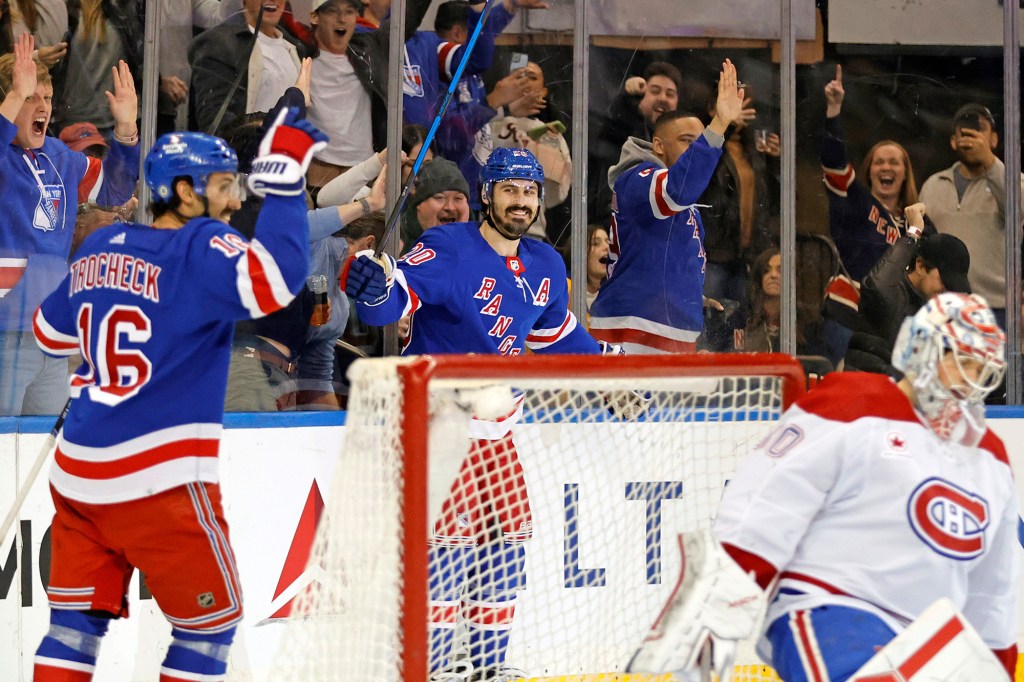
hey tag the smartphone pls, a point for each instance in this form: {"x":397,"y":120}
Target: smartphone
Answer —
{"x":519,"y":61}
{"x":969,"y":122}
{"x":539,"y":131}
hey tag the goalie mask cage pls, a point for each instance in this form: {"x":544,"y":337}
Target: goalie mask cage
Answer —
{"x":619,"y":455}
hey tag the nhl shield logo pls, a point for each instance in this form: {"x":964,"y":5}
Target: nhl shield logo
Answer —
{"x":206,"y":600}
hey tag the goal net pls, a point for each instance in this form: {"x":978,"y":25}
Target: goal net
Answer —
{"x":448,"y":546}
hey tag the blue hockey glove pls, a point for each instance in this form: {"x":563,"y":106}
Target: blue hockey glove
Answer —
{"x":369,"y":280}
{"x":284,"y":155}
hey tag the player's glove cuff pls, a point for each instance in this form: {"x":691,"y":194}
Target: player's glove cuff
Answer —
{"x":276,"y":174}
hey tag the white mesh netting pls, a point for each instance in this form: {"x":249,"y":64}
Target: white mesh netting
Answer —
{"x":560,"y":582}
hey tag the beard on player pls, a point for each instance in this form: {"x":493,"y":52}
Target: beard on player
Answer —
{"x":511,"y":221}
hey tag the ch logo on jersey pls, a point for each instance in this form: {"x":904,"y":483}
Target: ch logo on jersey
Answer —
{"x":949,"y":519}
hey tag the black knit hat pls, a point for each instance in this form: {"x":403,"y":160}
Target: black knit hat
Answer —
{"x":439,"y":175}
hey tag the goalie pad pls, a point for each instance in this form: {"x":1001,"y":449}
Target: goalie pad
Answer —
{"x":714,"y":603}
{"x":940,"y":645}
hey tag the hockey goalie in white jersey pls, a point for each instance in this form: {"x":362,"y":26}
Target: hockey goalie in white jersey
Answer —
{"x":871,"y":501}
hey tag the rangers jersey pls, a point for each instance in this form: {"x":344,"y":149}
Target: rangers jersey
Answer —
{"x":42,"y":189}
{"x":652,"y":300}
{"x":855,"y":502}
{"x":429,"y":60}
{"x":469,"y":299}
{"x":860,"y":225}
{"x":152,"y":312}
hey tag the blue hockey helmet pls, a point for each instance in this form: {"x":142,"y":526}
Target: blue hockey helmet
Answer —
{"x":192,"y":155}
{"x":511,"y":164}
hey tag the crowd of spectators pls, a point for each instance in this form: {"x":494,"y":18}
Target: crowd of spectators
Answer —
{"x":73,"y":142}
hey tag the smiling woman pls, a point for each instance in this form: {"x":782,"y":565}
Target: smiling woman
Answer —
{"x":864,"y":218}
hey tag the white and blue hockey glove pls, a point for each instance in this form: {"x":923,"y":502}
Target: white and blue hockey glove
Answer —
{"x":284,"y":155}
{"x":625,"y":405}
{"x":369,"y":279}
{"x":610,"y":348}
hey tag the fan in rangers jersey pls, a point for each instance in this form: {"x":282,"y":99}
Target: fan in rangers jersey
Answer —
{"x":480,"y":288}
{"x":42,"y":182}
{"x":872,"y":499}
{"x":652,"y":301}
{"x":151,"y":309}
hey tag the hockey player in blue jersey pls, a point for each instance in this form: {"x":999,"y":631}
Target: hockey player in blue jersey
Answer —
{"x":653,"y":301}
{"x":477,"y":287}
{"x":152,"y":309}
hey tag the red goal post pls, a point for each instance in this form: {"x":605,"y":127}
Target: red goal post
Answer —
{"x":367,"y":619}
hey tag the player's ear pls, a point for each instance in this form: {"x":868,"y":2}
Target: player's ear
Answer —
{"x":952,"y":141}
{"x":993,"y":140}
{"x":185,"y":192}
{"x":314,"y":19}
{"x":657,"y":146}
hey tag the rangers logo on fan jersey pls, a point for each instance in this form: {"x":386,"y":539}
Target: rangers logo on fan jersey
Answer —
{"x":949,"y":519}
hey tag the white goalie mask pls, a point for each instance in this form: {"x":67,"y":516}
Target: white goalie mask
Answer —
{"x":951,"y":394}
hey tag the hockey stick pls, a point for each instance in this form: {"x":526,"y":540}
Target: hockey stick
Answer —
{"x":396,"y":212}
{"x":44,"y":454}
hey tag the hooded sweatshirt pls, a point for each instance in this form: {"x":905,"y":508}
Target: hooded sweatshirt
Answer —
{"x":652,"y":301}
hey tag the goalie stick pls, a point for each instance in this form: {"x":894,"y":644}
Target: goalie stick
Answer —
{"x":44,"y":454}
{"x":396,"y":212}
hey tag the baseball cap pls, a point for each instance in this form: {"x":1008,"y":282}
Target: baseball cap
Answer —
{"x":439,"y":175}
{"x":951,"y":257}
{"x":358,"y":4}
{"x":972,"y":112}
{"x":78,"y":136}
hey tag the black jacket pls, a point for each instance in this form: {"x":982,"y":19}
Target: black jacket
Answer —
{"x":722,"y":217}
{"x":217,"y":57}
{"x":369,"y":53}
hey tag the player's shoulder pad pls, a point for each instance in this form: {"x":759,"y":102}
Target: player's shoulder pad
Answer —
{"x":849,"y":396}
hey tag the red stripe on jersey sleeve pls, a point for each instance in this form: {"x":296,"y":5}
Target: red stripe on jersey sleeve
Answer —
{"x":192,"y":447}
{"x":839,"y":180}
{"x":550,"y":337}
{"x":50,"y":343}
{"x":261,"y":288}
{"x":660,"y":179}
{"x":92,"y":175}
{"x":444,"y":55}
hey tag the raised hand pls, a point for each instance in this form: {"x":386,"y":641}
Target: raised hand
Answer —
{"x":529,"y":105}
{"x":729,"y":105}
{"x":834,"y":94}
{"x":23,"y":78}
{"x":508,"y":89}
{"x":124,"y":103}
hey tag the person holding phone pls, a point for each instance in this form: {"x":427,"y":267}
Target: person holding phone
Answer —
{"x":528,"y":123}
{"x":968,"y":200}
